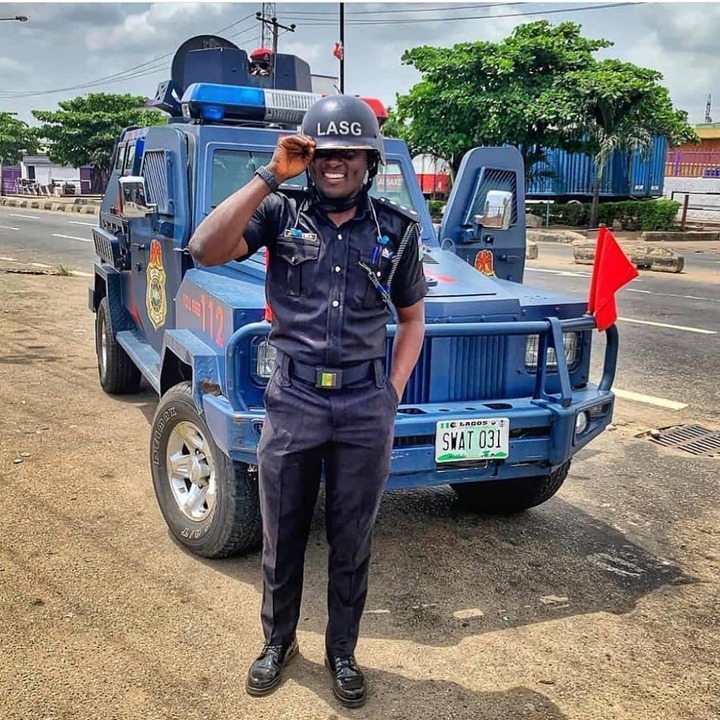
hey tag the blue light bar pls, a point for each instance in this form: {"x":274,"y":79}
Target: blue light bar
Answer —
{"x":212,"y":102}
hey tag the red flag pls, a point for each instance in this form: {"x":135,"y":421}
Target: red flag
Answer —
{"x":339,"y":52}
{"x":611,"y":270}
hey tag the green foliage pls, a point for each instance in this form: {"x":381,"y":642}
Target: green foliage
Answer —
{"x":16,"y":138}
{"x":615,"y":106}
{"x":632,"y":214}
{"x":539,"y":88}
{"x":435,"y":207}
{"x":84,"y":130}
{"x":485,"y":93}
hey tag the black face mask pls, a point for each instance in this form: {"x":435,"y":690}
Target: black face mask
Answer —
{"x":333,"y":205}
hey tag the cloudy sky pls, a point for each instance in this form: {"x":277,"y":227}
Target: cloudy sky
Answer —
{"x":68,"y":49}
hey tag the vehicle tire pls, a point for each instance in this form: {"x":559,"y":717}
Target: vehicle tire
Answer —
{"x":504,"y":497}
{"x":118,"y":374}
{"x":209,"y":502}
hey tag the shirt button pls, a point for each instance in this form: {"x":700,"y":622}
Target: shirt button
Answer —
{"x":335,"y":303}
{"x":338,"y":268}
{"x":339,"y":236}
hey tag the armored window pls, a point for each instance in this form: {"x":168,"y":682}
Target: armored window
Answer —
{"x":155,"y":172}
{"x":231,"y":169}
{"x":390,"y":183}
{"x":129,"y":159}
{"x":120,"y":157}
{"x":495,"y":196}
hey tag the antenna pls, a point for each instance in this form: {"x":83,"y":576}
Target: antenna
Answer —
{"x":708,"y":119}
{"x":268,"y":11}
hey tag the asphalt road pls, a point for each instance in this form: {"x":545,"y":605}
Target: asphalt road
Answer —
{"x":670,"y":326}
{"x":601,"y":604}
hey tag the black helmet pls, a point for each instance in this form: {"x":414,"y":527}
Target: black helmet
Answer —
{"x":344,"y":122}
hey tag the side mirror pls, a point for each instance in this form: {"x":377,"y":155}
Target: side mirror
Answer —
{"x":133,"y":198}
{"x":497,"y":212}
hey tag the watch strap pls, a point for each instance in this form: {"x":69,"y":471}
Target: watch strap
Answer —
{"x":263,"y":173}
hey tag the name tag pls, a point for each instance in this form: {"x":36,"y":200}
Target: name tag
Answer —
{"x":297,"y":234}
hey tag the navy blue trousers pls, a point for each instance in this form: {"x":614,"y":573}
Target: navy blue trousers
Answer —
{"x":348,"y":433}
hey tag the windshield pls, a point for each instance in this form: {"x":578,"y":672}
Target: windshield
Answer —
{"x":231,"y":169}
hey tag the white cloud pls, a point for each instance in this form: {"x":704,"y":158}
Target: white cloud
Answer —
{"x":9,"y":64}
{"x":677,"y":39}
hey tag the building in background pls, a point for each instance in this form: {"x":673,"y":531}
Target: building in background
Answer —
{"x":433,"y":174}
{"x":37,"y":175}
{"x":701,"y":160}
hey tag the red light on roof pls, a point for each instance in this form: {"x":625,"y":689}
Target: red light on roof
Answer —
{"x":378,"y":108}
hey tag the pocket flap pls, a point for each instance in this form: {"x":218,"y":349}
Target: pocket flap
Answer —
{"x":297,"y":250}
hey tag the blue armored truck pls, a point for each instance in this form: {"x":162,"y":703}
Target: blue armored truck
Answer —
{"x":501,"y":397}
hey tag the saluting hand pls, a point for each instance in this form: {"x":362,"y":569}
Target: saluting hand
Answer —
{"x":292,"y":156}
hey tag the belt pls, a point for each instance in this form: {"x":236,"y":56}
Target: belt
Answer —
{"x":331,"y":378}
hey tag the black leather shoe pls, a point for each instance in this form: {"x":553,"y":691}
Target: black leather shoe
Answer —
{"x":265,"y":673}
{"x":348,"y":680}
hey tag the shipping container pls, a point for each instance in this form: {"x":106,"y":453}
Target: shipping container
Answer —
{"x":573,"y":174}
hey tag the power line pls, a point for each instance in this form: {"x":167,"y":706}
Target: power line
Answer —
{"x":123,"y":74}
{"x":149,"y":68}
{"x":413,"y":21}
{"x":445,"y":8}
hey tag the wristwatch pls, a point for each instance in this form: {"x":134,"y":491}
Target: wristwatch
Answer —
{"x":263,"y":173}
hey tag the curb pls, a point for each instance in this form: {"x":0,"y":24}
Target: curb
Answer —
{"x":79,"y":205}
{"x":688,"y":236}
{"x":656,"y":259}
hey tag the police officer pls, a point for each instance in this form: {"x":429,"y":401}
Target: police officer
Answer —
{"x":338,"y":262}
{"x":261,"y":62}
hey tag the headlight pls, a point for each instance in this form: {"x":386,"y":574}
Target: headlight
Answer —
{"x":573,"y":347}
{"x":265,"y":359}
{"x":581,"y":422}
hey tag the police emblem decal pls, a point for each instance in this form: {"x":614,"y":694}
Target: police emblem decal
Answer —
{"x":155,"y":298}
{"x":484,"y":262}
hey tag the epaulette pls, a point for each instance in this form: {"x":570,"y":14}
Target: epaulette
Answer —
{"x":399,"y":209}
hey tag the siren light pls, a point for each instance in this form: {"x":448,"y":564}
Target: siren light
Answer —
{"x":212,"y":102}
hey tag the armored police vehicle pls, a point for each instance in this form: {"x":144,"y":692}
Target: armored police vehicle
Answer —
{"x":501,"y":397}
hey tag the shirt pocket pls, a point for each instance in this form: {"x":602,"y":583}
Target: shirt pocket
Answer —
{"x":298,"y":260}
{"x":372,"y":297}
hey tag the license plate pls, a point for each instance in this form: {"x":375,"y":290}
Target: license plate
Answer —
{"x":463,"y":440}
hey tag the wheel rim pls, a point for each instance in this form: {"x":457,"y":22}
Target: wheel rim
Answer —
{"x":191,"y":472}
{"x":102,"y":339}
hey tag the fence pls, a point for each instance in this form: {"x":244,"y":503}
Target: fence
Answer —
{"x":692,"y":163}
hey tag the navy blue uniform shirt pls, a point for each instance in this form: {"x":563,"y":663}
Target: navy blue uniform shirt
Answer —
{"x":326,"y":311}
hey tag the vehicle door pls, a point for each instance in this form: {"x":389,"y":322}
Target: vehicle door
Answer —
{"x":484,"y":219}
{"x":158,"y":211}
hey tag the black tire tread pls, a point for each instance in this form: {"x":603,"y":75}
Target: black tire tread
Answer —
{"x":240,"y":531}
{"x":505,"y":497}
{"x":122,"y":377}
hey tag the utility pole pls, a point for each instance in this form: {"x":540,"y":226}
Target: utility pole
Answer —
{"x":342,"y":48}
{"x":275,"y":25}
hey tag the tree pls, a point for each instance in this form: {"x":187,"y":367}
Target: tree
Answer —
{"x":616,"y":106}
{"x":16,"y":138}
{"x":84,"y":131}
{"x":485,"y":93}
{"x":539,"y":88}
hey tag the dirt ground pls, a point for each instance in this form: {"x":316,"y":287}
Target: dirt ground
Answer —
{"x":602,"y":604}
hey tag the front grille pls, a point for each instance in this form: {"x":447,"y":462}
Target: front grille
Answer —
{"x":460,"y":368}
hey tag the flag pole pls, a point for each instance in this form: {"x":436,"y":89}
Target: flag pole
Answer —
{"x":342,"y":48}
